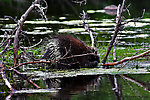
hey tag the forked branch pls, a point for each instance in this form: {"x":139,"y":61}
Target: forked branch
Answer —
{"x":19,"y":27}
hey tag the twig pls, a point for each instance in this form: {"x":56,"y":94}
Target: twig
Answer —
{"x":135,"y":19}
{"x":126,"y":8}
{"x":20,"y":24}
{"x":80,"y":2}
{"x":117,"y":28}
{"x":114,"y":51}
{"x":126,"y":62}
{"x":48,"y":62}
{"x":2,"y":68}
{"x":55,"y":61}
{"x":67,"y":51}
{"x":127,"y":59}
{"x":32,"y":46}
{"x":34,"y":62}
{"x":86,"y":27}
{"x":5,"y":41}
{"x":41,"y":9}
{"x":14,"y":19}
{"x":6,"y":48}
{"x":124,"y":65}
{"x":19,"y":74}
{"x":81,"y":55}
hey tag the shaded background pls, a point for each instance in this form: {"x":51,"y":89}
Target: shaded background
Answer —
{"x":67,"y":7}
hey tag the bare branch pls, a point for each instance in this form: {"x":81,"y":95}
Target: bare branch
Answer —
{"x":33,"y":45}
{"x":20,"y":24}
{"x":2,"y":68}
{"x":128,"y":9}
{"x":34,"y":62}
{"x":80,"y":2}
{"x":5,"y":41}
{"x":117,"y":28}
{"x":55,"y":61}
{"x":127,"y":59}
{"x":6,"y":48}
{"x":42,"y":10}
{"x":81,"y":55}
{"x":21,"y":75}
{"x":14,"y":19}
{"x":114,"y":51}
{"x":86,"y":27}
{"x":67,"y":51}
{"x":135,"y":19}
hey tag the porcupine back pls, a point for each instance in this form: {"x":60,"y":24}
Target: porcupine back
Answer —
{"x":65,"y":47}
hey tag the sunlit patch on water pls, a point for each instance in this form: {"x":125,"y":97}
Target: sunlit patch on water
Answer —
{"x":38,"y":32}
{"x":61,"y":18}
{"x":137,"y":24}
{"x":95,"y":11}
{"x":73,"y":30}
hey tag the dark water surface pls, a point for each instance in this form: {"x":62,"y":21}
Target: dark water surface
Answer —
{"x":63,"y":18}
{"x":106,"y":87}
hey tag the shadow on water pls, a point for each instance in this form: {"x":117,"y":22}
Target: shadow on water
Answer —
{"x":97,"y":87}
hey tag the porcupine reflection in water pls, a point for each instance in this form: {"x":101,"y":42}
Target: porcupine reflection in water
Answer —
{"x":73,"y":85}
{"x":65,"y":48}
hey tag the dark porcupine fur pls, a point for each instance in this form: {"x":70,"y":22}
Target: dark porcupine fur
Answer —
{"x":63,"y":47}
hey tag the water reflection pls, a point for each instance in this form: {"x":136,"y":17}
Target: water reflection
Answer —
{"x":116,"y":87}
{"x":74,"y":85}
